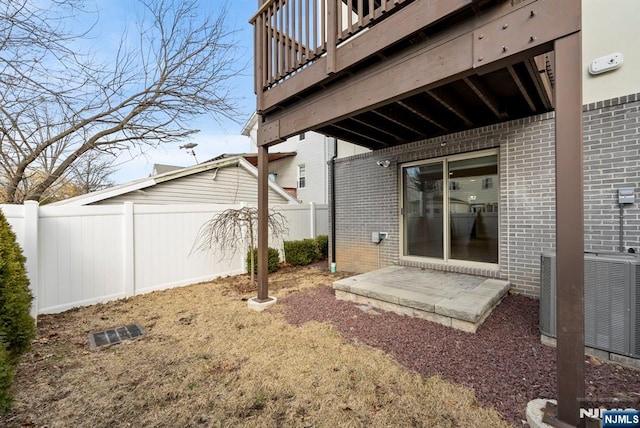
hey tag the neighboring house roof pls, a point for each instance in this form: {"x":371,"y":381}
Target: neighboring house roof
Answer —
{"x":246,"y":130}
{"x":147,"y":183}
{"x":159,"y":168}
{"x":252,"y":158}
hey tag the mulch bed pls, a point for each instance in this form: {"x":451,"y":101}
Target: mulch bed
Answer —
{"x":504,"y":362}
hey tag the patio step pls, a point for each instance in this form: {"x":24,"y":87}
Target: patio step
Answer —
{"x":455,"y":300}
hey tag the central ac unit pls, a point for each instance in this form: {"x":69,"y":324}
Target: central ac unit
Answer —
{"x":611,"y":301}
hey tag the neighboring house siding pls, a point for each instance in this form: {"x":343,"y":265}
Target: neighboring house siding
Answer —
{"x":232,"y":184}
{"x":314,"y":151}
{"x":285,"y":170}
{"x":367,"y":196}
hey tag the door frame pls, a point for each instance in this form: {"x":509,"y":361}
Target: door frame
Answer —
{"x":446,"y":261}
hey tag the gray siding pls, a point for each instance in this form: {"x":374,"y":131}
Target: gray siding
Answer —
{"x":367,"y":196}
{"x":232,"y":184}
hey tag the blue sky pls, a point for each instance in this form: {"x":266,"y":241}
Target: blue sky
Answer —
{"x":214,"y":138}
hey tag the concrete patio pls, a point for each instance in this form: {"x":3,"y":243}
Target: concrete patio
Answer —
{"x":452,"y":299}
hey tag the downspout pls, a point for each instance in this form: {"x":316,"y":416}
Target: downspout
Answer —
{"x":332,"y":166}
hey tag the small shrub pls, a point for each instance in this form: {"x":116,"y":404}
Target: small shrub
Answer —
{"x":17,"y":327}
{"x":303,"y":252}
{"x":273,"y":260}
{"x":323,"y":244}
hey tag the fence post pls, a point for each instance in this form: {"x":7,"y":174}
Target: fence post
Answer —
{"x":31,"y":239}
{"x":128,"y":253}
{"x":312,"y":218}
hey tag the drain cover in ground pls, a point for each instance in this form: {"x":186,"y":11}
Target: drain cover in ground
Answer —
{"x":114,"y":336}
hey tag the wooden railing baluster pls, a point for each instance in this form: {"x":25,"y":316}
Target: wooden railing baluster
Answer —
{"x":289,"y":34}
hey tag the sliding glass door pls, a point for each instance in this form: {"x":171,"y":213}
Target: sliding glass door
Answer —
{"x":450,"y":208}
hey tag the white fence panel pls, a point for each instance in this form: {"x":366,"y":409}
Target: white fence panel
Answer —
{"x":304,"y":221}
{"x":164,"y":238}
{"x":80,"y":255}
{"x":322,"y":220}
{"x":15,"y":216}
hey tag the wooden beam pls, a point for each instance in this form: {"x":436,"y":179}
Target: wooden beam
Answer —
{"x":414,"y":110}
{"x":539,"y":76}
{"x":548,"y":64}
{"x":348,"y":135}
{"x":412,"y":73}
{"x":268,"y":133}
{"x":569,"y":228}
{"x":450,"y":105}
{"x":362,"y":135}
{"x":484,"y":95}
{"x":533,"y":25}
{"x":399,"y":120}
{"x":376,"y":127}
{"x":523,"y":90}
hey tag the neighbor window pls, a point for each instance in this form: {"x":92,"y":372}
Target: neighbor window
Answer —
{"x":302,"y":176}
{"x":302,"y":136}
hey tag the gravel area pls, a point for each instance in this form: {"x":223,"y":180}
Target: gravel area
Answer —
{"x":504,"y":362}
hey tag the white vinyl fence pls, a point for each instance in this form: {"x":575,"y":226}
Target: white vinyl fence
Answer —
{"x":78,"y":256}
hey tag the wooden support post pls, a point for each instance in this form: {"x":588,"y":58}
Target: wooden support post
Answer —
{"x":569,"y":228}
{"x":263,"y":226}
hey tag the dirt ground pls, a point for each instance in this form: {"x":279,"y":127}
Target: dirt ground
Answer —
{"x":208,"y":361}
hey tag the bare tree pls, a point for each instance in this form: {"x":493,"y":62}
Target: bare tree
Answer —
{"x":56,"y":104}
{"x":229,"y":231}
{"x":89,"y":173}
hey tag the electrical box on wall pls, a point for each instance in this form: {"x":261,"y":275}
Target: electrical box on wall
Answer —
{"x":377,"y":237}
{"x":627,"y":195}
{"x":606,"y":63}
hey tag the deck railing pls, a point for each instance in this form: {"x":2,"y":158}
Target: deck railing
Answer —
{"x":290,"y":34}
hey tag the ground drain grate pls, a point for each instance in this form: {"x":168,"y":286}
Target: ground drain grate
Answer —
{"x":113,"y":336}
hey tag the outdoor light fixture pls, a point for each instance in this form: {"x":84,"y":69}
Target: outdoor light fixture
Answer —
{"x":384,"y":163}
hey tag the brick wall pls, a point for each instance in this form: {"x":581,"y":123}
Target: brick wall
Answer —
{"x":368,"y":196}
{"x":612,"y":160}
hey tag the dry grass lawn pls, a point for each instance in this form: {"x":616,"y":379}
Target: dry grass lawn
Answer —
{"x":209,"y":361}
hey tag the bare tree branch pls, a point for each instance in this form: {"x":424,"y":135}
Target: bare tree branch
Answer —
{"x":231,"y":230}
{"x":57,"y":104}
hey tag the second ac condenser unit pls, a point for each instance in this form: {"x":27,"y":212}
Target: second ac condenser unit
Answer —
{"x":611,"y":301}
